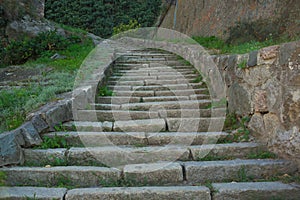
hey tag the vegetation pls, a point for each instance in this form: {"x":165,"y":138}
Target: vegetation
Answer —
{"x":100,"y":17}
{"x":262,"y":155}
{"x":2,"y":178}
{"x":242,"y":64}
{"x":133,"y":24}
{"x":104,"y":91}
{"x":16,"y":102}
{"x":239,"y":48}
{"x":54,"y":142}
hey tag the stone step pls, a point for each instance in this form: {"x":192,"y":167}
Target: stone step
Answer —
{"x":173,"y":63}
{"x":235,"y":170}
{"x":152,"y":72}
{"x":153,"y":113}
{"x":141,"y":66}
{"x":124,"y":100}
{"x":255,"y":190}
{"x":88,"y":126}
{"x":141,"y":193}
{"x":93,"y":139}
{"x":115,"y":115}
{"x":122,"y":82}
{"x":147,"y":125}
{"x":164,"y":87}
{"x":113,"y":155}
{"x":137,"y":54}
{"x":76,"y":176}
{"x":213,"y":124}
{"x":154,"y":106}
{"x":149,"y":93}
{"x":37,"y":193}
{"x":118,"y":156}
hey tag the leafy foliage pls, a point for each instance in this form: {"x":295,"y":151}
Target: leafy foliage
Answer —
{"x":133,"y":24}
{"x":100,"y":17}
{"x":20,"y":51}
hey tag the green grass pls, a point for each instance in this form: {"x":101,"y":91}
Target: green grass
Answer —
{"x":54,"y":142}
{"x":16,"y":103}
{"x":2,"y":178}
{"x":262,"y":155}
{"x":242,"y":64}
{"x":213,"y":158}
{"x":217,"y":43}
{"x":104,"y":91}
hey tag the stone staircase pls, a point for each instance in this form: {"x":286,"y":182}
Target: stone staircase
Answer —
{"x":154,"y":137}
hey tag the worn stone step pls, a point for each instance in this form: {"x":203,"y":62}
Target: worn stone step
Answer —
{"x":224,"y":151}
{"x":37,"y":193}
{"x":162,"y":87}
{"x":93,"y":139}
{"x":191,"y":113}
{"x":155,"y":106}
{"x":255,"y":190}
{"x":156,"y":71}
{"x":173,"y":63}
{"x":141,"y":193}
{"x":149,"y":93}
{"x":124,"y":100}
{"x":235,"y":170}
{"x":144,"y":54}
{"x":195,"y":124}
{"x":113,"y":155}
{"x":76,"y":176}
{"x":154,"y":173}
{"x":115,"y":115}
{"x":147,"y":125}
{"x":146,"y":82}
{"x":122,"y":155}
{"x":181,"y":92}
{"x":88,"y":126}
{"x":141,"y":66}
{"x":132,"y":77}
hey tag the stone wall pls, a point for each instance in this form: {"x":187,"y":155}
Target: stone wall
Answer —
{"x":265,"y":85}
{"x":238,"y":19}
{"x":24,"y":18}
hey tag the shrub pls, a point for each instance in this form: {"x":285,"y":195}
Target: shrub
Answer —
{"x":133,"y":24}
{"x":100,"y":17}
{"x":19,"y":51}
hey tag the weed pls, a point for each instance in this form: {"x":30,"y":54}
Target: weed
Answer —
{"x":243,"y":64}
{"x":31,"y":198}
{"x":2,"y":178}
{"x":213,"y":158}
{"x":261,"y":155}
{"x":104,"y":91}
{"x":64,"y":182}
{"x":210,"y":42}
{"x":198,"y":79}
{"x":139,"y":145}
{"x":141,"y":100}
{"x":242,"y":175}
{"x":54,"y":142}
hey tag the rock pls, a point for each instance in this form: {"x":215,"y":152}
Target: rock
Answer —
{"x":30,"y":134}
{"x":140,"y":193}
{"x":57,"y":56}
{"x":16,"y":9}
{"x":252,"y":59}
{"x":248,"y":191}
{"x":260,"y":101}
{"x":239,"y":100}
{"x":10,"y":149}
{"x":268,"y":55}
{"x":96,"y":39}
{"x":39,"y":123}
{"x":32,"y":193}
{"x":58,"y":114}
{"x":28,"y":27}
{"x":156,"y":173}
{"x":256,"y":124}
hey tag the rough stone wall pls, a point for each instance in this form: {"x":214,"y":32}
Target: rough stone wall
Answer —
{"x":24,"y":18}
{"x":215,"y":17}
{"x":267,"y":88}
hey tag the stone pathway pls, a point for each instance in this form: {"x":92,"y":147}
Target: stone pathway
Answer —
{"x":154,"y":138}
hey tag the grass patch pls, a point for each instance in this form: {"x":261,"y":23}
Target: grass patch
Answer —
{"x":54,"y":142}
{"x":16,"y":103}
{"x":2,"y":178}
{"x":242,"y":64}
{"x":262,"y":155}
{"x":198,"y":79}
{"x":214,"y":158}
{"x":217,"y":43}
{"x":104,"y":91}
